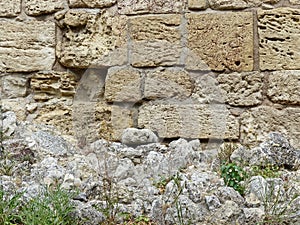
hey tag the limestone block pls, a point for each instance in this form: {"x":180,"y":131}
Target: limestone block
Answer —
{"x":284,"y":87}
{"x":234,"y":51}
{"x":238,"y":4}
{"x":198,"y":4}
{"x":92,"y":39}
{"x":17,"y":105}
{"x":155,"y":40}
{"x":242,"y":89}
{"x":131,"y":7}
{"x":188,"y":120}
{"x":257,"y":123}
{"x":123,"y":84}
{"x":134,"y":136}
{"x":26,"y":46}
{"x":53,"y":84}
{"x":13,"y":86}
{"x":38,"y":7}
{"x":166,"y":83}
{"x":10,"y":8}
{"x":295,"y":2}
{"x":279,"y":39}
{"x":91,"y":3}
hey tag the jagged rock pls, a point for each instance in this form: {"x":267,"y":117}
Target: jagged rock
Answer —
{"x":212,"y":202}
{"x":133,"y":136}
{"x":9,"y":123}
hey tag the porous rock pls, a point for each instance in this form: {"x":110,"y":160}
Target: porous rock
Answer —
{"x":197,"y":4}
{"x":234,"y":51}
{"x":134,"y":136}
{"x":36,"y":7}
{"x":10,"y":8}
{"x":239,"y":4}
{"x":91,"y":3}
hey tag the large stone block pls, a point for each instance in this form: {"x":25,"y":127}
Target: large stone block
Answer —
{"x":91,"y":3}
{"x":167,"y":83}
{"x":10,"y":8}
{"x":123,"y":85}
{"x":295,"y":2}
{"x":92,"y":39}
{"x":257,"y":123}
{"x":222,"y":41}
{"x":284,"y":87}
{"x":52,"y":84}
{"x":13,"y":86}
{"x":198,"y":4}
{"x":155,"y":40}
{"x":279,"y":39}
{"x":131,"y":7}
{"x":188,"y":120}
{"x":37,"y":7}
{"x":26,"y":46}
{"x":238,"y":4}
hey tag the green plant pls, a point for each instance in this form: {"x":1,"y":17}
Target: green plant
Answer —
{"x":267,"y":171}
{"x":9,"y":208}
{"x":51,"y":207}
{"x":140,"y":220}
{"x":233,"y":175}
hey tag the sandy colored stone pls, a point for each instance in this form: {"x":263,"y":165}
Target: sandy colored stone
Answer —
{"x":52,"y":84}
{"x":166,"y":83}
{"x":13,"y":86}
{"x":26,"y":46}
{"x":295,"y":2}
{"x":188,"y":120}
{"x":279,"y":39}
{"x":242,"y":89}
{"x":239,"y":4}
{"x":198,"y":4}
{"x":91,"y":3}
{"x":123,"y":85}
{"x":10,"y":8}
{"x":155,"y":40}
{"x":257,"y":123}
{"x":284,"y":87}
{"x":224,"y":41}
{"x":92,"y":39}
{"x":17,"y":105}
{"x":38,"y":7}
{"x":131,"y":7}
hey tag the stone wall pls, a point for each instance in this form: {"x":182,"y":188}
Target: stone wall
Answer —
{"x":214,"y":69}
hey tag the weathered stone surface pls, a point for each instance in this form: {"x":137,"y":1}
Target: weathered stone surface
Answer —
{"x":188,"y":120}
{"x":155,"y":40}
{"x":238,"y":4}
{"x":92,"y":39}
{"x":198,"y":4}
{"x":123,"y":84}
{"x":234,"y":51}
{"x":52,"y":84}
{"x":10,"y":8}
{"x":134,"y":136}
{"x":257,"y":123}
{"x":91,"y":3}
{"x":26,"y":46}
{"x":166,"y":83}
{"x":242,"y":89}
{"x":37,"y":7}
{"x":131,"y":7}
{"x":295,"y":2}
{"x":13,"y":86}
{"x":279,"y":39}
{"x":284,"y":87}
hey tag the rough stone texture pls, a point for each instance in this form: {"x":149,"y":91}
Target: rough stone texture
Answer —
{"x":295,"y":2}
{"x":242,"y":89}
{"x":198,"y":4}
{"x":131,"y":7}
{"x":258,"y":122}
{"x":284,"y":87}
{"x":234,"y":51}
{"x":37,"y":7}
{"x":51,"y":84}
{"x":13,"y":86}
{"x":133,"y":136}
{"x":279,"y":39}
{"x":238,"y":4}
{"x":188,"y":120}
{"x":92,"y":39}
{"x":26,"y":46}
{"x":10,"y":8}
{"x":91,"y":3}
{"x":123,"y":84}
{"x":155,"y":40}
{"x":166,"y":83}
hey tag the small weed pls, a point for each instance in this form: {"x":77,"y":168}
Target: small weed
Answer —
{"x":268,"y":171}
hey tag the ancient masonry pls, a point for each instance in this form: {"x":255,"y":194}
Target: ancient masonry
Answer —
{"x":213,"y":69}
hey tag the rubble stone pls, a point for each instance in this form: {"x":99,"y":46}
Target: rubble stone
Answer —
{"x":36,"y":7}
{"x":91,"y":3}
{"x":10,"y":8}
